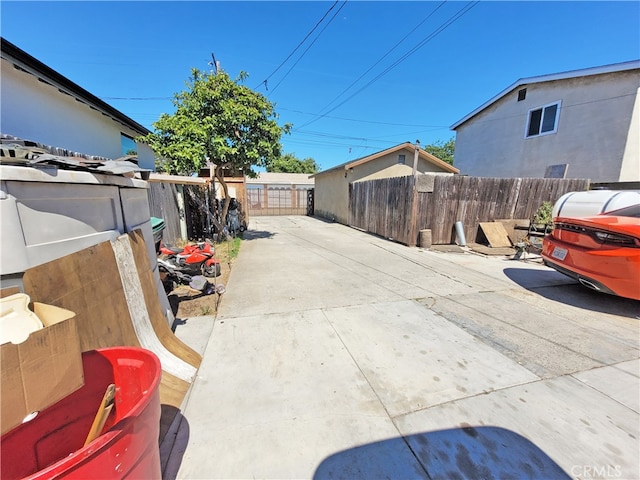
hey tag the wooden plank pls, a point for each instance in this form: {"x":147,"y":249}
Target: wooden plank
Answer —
{"x":6,"y":292}
{"x":500,"y":251}
{"x":496,"y":234}
{"x":139,"y":314}
{"x":172,"y":392}
{"x":150,"y":291}
{"x":515,"y":234}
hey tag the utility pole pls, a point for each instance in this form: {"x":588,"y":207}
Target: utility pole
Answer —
{"x":215,"y":64}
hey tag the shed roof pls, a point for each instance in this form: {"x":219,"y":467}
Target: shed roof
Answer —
{"x":406,"y":145}
{"x":33,"y":66}
{"x":615,"y":67}
{"x":281,"y":179}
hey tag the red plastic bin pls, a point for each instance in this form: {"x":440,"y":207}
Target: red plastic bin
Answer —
{"x":51,"y":445}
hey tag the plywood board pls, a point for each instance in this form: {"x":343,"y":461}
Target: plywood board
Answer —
{"x":495,"y":234}
{"x":493,"y":251}
{"x":87,"y":283}
{"x":156,"y":315}
{"x":516,"y":228}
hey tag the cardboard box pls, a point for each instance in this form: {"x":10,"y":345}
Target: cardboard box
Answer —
{"x":43,"y":369}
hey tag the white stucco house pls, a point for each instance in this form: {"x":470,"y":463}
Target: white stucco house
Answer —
{"x":40,"y":105}
{"x":576,"y":124}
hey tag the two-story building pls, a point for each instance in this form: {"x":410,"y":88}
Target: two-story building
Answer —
{"x":576,"y":124}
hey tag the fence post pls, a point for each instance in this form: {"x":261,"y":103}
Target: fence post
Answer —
{"x":413,"y":219}
{"x":182,"y":211}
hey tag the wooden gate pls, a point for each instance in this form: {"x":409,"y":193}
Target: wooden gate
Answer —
{"x":277,"y":199}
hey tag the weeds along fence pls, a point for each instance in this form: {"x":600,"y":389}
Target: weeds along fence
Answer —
{"x":393,"y":208}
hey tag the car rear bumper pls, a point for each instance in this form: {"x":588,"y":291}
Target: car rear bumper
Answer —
{"x":584,"y":280}
{"x":617,"y":272}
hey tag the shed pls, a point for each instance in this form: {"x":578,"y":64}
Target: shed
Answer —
{"x":332,"y":186}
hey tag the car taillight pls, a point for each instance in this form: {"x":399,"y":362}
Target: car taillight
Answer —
{"x":616,"y":239}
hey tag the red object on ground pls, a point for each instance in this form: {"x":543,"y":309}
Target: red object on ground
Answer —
{"x":51,"y":445}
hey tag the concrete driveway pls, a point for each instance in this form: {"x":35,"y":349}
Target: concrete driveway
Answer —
{"x":337,"y":354}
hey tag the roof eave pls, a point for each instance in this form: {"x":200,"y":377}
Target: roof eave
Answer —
{"x":14,"y":54}
{"x":406,"y":145}
{"x":616,"y":67}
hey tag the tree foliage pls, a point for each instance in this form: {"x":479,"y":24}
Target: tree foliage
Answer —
{"x":289,"y":163}
{"x":443,"y":150}
{"x":217,"y":120}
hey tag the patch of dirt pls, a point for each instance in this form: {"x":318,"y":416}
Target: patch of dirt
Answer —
{"x":191,"y":303}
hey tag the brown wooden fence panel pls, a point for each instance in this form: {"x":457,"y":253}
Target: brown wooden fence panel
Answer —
{"x":163,"y":204}
{"x":384,"y":206}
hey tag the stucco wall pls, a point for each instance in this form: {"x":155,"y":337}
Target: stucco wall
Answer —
{"x":592,"y":131}
{"x":331,"y":196}
{"x":36,"y":111}
{"x":630,"y":171}
{"x":390,"y":169}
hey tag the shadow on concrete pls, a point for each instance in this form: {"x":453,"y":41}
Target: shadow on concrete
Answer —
{"x":460,"y":453}
{"x":174,"y":443}
{"x":325,"y":220}
{"x":570,"y":292}
{"x":256,"y":234}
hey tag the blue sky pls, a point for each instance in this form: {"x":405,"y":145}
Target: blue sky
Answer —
{"x":449,"y":57}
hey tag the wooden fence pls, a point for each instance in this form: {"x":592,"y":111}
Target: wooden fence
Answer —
{"x":173,"y":202}
{"x":385,"y":207}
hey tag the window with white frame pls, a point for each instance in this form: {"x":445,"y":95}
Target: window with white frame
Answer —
{"x":543,"y":120}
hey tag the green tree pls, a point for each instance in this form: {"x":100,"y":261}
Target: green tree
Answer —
{"x":221,"y":121}
{"x":289,"y":163}
{"x":443,"y":150}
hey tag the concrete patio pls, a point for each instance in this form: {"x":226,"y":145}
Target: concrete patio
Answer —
{"x":337,"y":354}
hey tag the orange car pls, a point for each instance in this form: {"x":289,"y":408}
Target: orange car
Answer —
{"x":601,"y":252}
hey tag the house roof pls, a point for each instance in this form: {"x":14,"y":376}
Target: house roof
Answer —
{"x":615,"y":67}
{"x":177,"y":179}
{"x":33,"y":66}
{"x":275,"y":178}
{"x":407,"y":145}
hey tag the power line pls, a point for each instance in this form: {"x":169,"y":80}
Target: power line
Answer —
{"x":422,"y":43}
{"x":367,"y":121}
{"x":264,"y":82}
{"x":310,"y":45}
{"x":384,"y":56}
